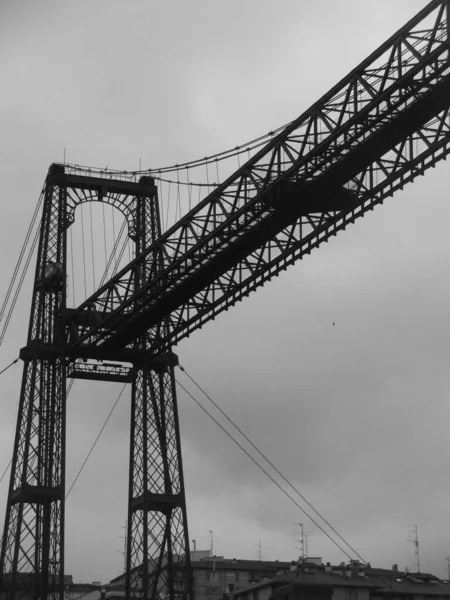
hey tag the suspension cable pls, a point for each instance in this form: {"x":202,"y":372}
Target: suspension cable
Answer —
{"x":10,"y":365}
{"x":96,"y":439}
{"x":18,"y":288}
{"x":11,"y":459}
{"x":92,"y":248}
{"x":23,"y":274}
{"x":224,"y":155}
{"x":84,"y":251}
{"x":112,"y":256}
{"x":6,"y":469}
{"x":265,"y":471}
{"x":22,"y":252}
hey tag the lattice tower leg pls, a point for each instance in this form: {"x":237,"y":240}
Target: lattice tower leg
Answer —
{"x":32,"y":551}
{"x":158,"y":560}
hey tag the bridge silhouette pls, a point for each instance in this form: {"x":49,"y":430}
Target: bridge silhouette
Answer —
{"x":373,"y":133}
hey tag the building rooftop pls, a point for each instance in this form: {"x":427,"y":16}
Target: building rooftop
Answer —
{"x":238,"y":563}
{"x":386,"y":582}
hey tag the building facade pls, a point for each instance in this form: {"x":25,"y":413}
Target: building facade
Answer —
{"x":217,"y":577}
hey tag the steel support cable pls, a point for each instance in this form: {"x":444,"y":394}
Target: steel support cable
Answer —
{"x":96,"y":439}
{"x":189,"y":190}
{"x":269,"y":462}
{"x":219,"y":156}
{"x":84,"y":252}
{"x":73,"y":269}
{"x":73,"y":380}
{"x":21,"y":255}
{"x":178,"y":201}
{"x":105,"y":274}
{"x":370,"y":60}
{"x":23,"y":274}
{"x":121,"y":253}
{"x":265,"y":472}
{"x":92,"y":246}
{"x":67,"y":395}
{"x":114,"y":238}
{"x":1,"y":372}
{"x":168,"y":207}
{"x":6,"y":469}
{"x":104,"y":236}
{"x":10,"y":365}
{"x":19,"y":287}
{"x":112,"y":256}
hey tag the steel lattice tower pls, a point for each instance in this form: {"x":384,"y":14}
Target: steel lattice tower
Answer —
{"x":32,"y":554}
{"x":157,"y":536}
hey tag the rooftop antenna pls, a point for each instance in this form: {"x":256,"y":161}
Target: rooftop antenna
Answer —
{"x":302,"y":541}
{"x":211,"y":548}
{"x":124,"y":551}
{"x":211,"y":542}
{"x":415,"y":541}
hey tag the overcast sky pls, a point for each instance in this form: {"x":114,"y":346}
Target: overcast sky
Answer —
{"x":356,"y":415}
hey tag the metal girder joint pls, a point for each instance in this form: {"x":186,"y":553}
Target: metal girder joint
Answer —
{"x":37,"y":350}
{"x":36,"y":494}
{"x":160,"y":363}
{"x":164,"y":503}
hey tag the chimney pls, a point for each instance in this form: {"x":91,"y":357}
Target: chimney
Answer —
{"x":395,"y":568}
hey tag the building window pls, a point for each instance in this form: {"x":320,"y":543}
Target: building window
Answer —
{"x":351,"y":594}
{"x":200,"y":575}
{"x":243,"y":576}
{"x":230,"y":576}
{"x":217,"y":589}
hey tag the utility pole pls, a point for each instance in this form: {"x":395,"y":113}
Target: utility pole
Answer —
{"x":448,"y":567}
{"x":259,"y":551}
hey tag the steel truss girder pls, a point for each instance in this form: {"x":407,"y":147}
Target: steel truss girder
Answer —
{"x":376,"y":130}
